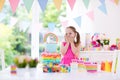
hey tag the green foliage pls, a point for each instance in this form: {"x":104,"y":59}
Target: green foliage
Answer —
{"x":19,"y":41}
{"x":5,"y":36}
{"x":51,"y":14}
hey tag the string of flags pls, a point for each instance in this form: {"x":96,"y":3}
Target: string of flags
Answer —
{"x":43,"y":3}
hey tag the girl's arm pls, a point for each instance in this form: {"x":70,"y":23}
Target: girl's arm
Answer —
{"x":64,"y":48}
{"x":75,"y":50}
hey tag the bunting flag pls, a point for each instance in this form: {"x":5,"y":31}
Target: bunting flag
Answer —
{"x":14,"y":4}
{"x":51,"y":26}
{"x":102,"y":1}
{"x":28,"y":4}
{"x":64,"y":23}
{"x":102,"y":7}
{"x":58,"y":3}
{"x":43,"y":4}
{"x":86,"y":3}
{"x":112,"y":1}
{"x":116,"y":2}
{"x":78,"y":20}
{"x":1,"y":4}
{"x":71,"y":3}
{"x":91,"y":15}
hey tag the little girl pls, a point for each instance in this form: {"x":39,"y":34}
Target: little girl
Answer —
{"x":71,"y":47}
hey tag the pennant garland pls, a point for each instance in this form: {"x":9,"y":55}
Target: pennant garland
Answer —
{"x":51,"y":26}
{"x":86,"y":3}
{"x":116,"y":2}
{"x":43,"y":4}
{"x":78,"y":20}
{"x":64,"y":23}
{"x":58,"y":3}
{"x":14,"y":5}
{"x":102,"y":7}
{"x":102,"y":1}
{"x":71,"y":3}
{"x":1,"y":4}
{"x":91,"y":15}
{"x":28,"y":4}
{"x":112,"y":1}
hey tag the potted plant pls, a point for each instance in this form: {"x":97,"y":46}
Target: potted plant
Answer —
{"x":20,"y":61}
{"x":33,"y":63}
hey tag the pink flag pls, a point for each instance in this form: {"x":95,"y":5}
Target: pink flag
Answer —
{"x":91,"y":15}
{"x":14,"y":4}
{"x":112,"y":1}
{"x":71,"y":3}
{"x":64,"y":23}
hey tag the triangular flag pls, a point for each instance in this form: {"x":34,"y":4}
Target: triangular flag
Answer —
{"x":71,"y":3}
{"x":28,"y":4}
{"x":78,"y":20}
{"x":86,"y":3}
{"x":58,"y":3}
{"x":112,"y":1}
{"x":116,"y":2}
{"x":43,"y":4}
{"x":91,"y":15}
{"x":1,"y":4}
{"x":14,"y":4}
{"x":64,"y":23}
{"x":51,"y":26}
{"x":102,"y":1}
{"x":102,"y":7}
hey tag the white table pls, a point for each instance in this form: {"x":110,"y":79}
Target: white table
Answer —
{"x":35,"y":74}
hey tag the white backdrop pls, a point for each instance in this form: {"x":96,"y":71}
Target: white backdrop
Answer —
{"x":103,"y":23}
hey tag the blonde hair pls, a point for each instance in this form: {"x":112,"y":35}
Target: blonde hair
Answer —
{"x":78,"y":35}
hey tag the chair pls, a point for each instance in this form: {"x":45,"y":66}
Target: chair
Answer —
{"x":2,"y":59}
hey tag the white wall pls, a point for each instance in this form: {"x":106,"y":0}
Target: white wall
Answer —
{"x":103,"y":23}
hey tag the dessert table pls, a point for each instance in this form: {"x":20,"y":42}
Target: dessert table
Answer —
{"x":37,"y":74}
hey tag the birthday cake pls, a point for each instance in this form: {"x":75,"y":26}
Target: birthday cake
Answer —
{"x":50,"y":58}
{"x":51,"y":62}
{"x":50,"y":40}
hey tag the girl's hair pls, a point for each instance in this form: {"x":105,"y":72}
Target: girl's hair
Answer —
{"x":78,"y":35}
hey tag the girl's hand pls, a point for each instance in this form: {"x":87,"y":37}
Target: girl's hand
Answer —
{"x":66,"y":39}
{"x":71,"y":40}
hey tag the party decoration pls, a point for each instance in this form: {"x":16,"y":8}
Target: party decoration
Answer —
{"x":91,"y":15}
{"x":64,"y":23}
{"x":116,"y":2}
{"x":43,"y":4}
{"x":50,"y":34}
{"x":28,"y":4}
{"x":58,"y":3}
{"x":1,"y":4}
{"x":14,"y":4}
{"x":51,"y":26}
{"x":102,"y":1}
{"x":71,"y":3}
{"x":78,"y":20}
{"x":102,"y":7}
{"x":86,"y":3}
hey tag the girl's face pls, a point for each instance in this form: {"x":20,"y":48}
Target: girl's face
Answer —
{"x":70,"y":33}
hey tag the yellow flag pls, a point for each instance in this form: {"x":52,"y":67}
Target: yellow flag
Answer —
{"x":116,"y":2}
{"x":58,"y":3}
{"x":1,"y":4}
